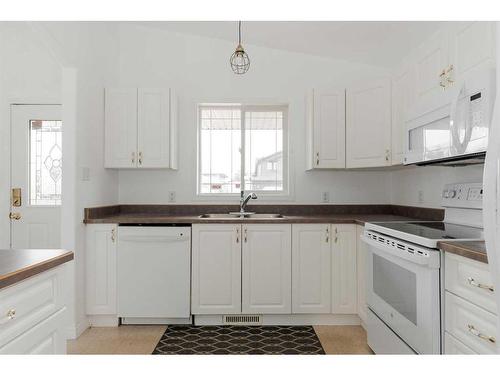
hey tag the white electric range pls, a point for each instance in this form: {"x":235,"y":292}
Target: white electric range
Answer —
{"x":404,"y":273}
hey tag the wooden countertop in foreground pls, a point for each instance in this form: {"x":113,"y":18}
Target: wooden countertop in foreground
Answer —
{"x":17,"y":265}
{"x":475,"y":250}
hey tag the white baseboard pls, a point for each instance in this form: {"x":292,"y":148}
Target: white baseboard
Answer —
{"x":103,"y":320}
{"x":291,"y":319}
{"x":156,"y":321}
{"x":75,"y":330}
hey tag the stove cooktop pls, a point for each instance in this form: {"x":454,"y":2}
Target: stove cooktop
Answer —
{"x":427,"y":233}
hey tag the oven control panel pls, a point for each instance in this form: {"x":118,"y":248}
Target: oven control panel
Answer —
{"x":464,"y":195}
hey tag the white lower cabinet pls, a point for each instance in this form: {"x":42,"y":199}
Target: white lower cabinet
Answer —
{"x":216,"y":269}
{"x":266,"y":269}
{"x":101,"y":269}
{"x":453,"y":346}
{"x":344,"y":276}
{"x":311,"y":268}
{"x":361,"y":254}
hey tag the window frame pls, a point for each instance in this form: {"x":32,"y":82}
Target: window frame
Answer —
{"x":243,"y":107}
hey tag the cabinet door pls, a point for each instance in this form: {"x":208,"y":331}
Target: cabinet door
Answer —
{"x":430,"y":59}
{"x":153,"y":136}
{"x":101,"y":268}
{"x":368,"y":126}
{"x":361,"y":254}
{"x":344,"y":275}
{"x":403,"y":96}
{"x":266,"y":269}
{"x":120,"y":128}
{"x":216,"y":269}
{"x":471,"y":46}
{"x":328,"y":129}
{"x":311,"y":262}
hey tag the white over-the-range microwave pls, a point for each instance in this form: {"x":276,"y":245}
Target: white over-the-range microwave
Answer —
{"x":454,"y":130}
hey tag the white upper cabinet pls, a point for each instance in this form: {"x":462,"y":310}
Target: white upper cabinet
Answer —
{"x":140,"y":128}
{"x":403,"y":97}
{"x":326,"y":128}
{"x":431,"y":59}
{"x":266,"y":269}
{"x":120,"y":130}
{"x":311,"y":268}
{"x":368,"y":129}
{"x":216,"y":269}
{"x":344,"y":269}
{"x":471,"y":47}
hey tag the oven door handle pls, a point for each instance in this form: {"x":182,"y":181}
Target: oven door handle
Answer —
{"x":382,"y":249}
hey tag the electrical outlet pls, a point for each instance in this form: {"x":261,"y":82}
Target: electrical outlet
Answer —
{"x":171,"y":196}
{"x":85,"y":174}
{"x":420,"y":196}
{"x":325,"y":197}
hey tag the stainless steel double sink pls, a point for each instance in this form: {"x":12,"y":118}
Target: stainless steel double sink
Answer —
{"x":239,"y":216}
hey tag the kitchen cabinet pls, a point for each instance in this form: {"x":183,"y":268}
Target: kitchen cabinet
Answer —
{"x":368,"y":125}
{"x":361,"y":254}
{"x":35,"y":313}
{"x":216,"y":269}
{"x":403,"y":97}
{"x":344,"y":275}
{"x":326,"y":128}
{"x":140,"y":128}
{"x":266,"y":269}
{"x":101,"y":269}
{"x":311,"y":268}
{"x":471,"y":47}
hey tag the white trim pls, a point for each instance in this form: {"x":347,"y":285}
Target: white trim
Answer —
{"x":74,"y":331}
{"x":103,"y":320}
{"x":289,"y":319}
{"x":148,"y":321}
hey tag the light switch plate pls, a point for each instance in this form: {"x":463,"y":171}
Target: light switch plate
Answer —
{"x":325,"y":197}
{"x":171,"y":196}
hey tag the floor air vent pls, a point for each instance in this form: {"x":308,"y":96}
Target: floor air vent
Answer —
{"x":245,"y":320}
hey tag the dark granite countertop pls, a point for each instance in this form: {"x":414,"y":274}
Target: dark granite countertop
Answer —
{"x":475,"y":250}
{"x":17,"y":265}
{"x":195,"y":219}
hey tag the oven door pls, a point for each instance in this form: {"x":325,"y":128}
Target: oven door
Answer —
{"x":405,"y":296}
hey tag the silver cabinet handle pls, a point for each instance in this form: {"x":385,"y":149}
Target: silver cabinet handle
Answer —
{"x":473,"y":282}
{"x":140,"y":158}
{"x":237,"y":235}
{"x":245,"y":234}
{"x":449,"y":79}
{"x":317,"y":158}
{"x":387,"y":154}
{"x":475,"y":332}
{"x":327,"y":239}
{"x":442,"y":76}
{"x":113,"y":235}
{"x":11,"y":314}
{"x":336,"y":235}
{"x":133,"y":158}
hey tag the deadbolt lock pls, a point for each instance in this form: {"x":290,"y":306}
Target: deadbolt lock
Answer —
{"x":16,"y":197}
{"x":15,"y":216}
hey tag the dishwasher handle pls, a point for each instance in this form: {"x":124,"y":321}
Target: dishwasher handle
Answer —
{"x":153,"y":238}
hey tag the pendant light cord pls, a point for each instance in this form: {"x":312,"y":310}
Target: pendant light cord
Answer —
{"x":239,"y":32}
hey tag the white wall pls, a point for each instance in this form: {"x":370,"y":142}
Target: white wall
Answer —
{"x":429,"y":180}
{"x":198,"y":68}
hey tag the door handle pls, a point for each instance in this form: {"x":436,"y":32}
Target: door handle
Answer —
{"x":14,"y":216}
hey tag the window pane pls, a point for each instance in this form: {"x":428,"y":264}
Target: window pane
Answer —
{"x":220,"y":158}
{"x":264,"y":150}
{"x":45,"y":162}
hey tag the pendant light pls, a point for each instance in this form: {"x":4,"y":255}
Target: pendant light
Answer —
{"x":239,"y":59}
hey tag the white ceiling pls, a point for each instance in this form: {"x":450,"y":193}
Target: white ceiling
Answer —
{"x":377,"y":43}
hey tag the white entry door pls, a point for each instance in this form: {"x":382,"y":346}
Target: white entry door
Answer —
{"x":36,"y":169}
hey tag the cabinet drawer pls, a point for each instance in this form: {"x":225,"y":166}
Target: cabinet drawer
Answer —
{"x":24,"y":305}
{"x":47,"y":337}
{"x":471,"y":280}
{"x":470,"y":324}
{"x":453,"y":346}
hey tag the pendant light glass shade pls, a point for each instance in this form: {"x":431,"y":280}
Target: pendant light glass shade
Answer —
{"x":240,"y":62}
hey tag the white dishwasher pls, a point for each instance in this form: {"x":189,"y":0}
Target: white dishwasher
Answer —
{"x":153,"y":271}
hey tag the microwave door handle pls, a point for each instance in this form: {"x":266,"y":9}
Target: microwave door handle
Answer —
{"x":453,"y":114}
